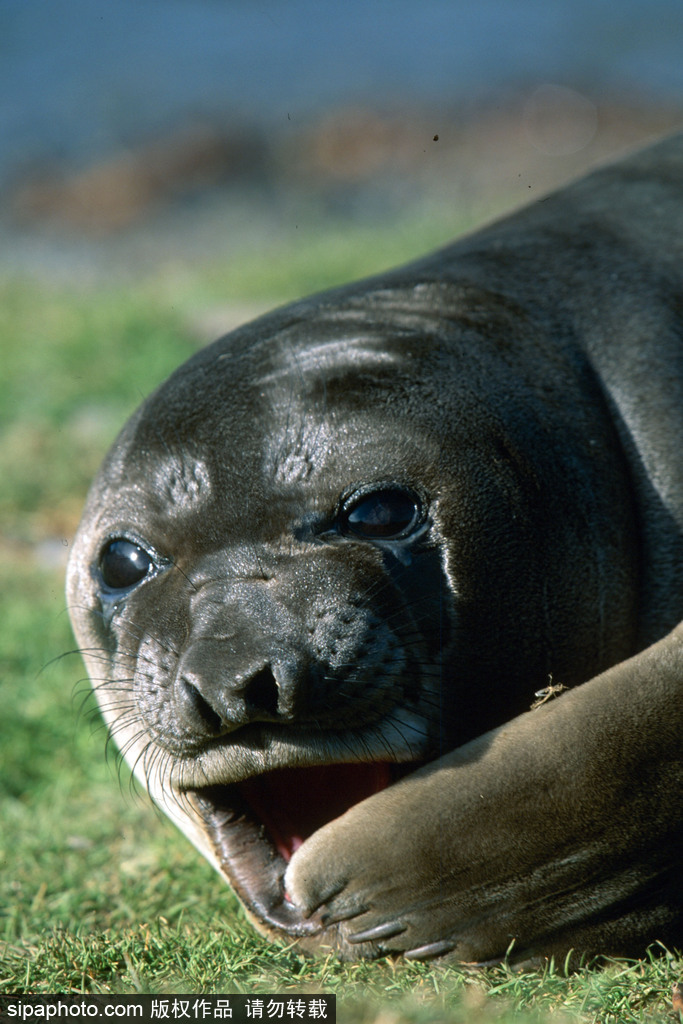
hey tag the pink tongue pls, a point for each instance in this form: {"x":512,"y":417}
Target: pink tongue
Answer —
{"x":294,"y":802}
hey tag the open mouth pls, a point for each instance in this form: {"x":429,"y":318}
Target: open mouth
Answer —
{"x":255,"y":827}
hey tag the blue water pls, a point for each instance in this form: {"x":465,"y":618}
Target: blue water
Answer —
{"x":80,"y":77}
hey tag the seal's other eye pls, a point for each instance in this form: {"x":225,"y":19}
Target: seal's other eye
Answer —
{"x":386,"y":514}
{"x":123,"y":564}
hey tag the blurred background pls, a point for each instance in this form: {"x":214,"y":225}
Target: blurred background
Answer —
{"x":147,"y":131}
{"x":169,"y":168}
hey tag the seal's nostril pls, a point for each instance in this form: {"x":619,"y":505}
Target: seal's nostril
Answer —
{"x":199,"y":709}
{"x":261,"y":693}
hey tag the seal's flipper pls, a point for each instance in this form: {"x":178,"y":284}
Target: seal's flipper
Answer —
{"x":555,"y":830}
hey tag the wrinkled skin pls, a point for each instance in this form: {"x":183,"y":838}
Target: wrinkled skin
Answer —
{"x":326,"y":567}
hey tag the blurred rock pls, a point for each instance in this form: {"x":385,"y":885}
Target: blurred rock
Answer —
{"x":114,"y":194}
{"x":356,"y":143}
{"x":206,"y":193}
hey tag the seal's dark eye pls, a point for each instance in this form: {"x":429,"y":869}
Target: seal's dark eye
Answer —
{"x":387,"y":514}
{"x":123,"y":564}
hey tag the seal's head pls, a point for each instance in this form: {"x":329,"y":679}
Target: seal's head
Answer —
{"x":332,"y":546}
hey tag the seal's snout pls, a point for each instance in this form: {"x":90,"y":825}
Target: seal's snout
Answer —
{"x":218,"y":693}
{"x":198,"y":714}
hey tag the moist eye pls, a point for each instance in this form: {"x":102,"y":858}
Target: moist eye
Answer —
{"x":123,"y":564}
{"x":385,"y":514}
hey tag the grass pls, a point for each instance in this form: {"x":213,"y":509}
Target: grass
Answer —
{"x":98,"y":893}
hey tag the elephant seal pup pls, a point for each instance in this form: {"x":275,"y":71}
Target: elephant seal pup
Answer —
{"x":327,"y":565}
